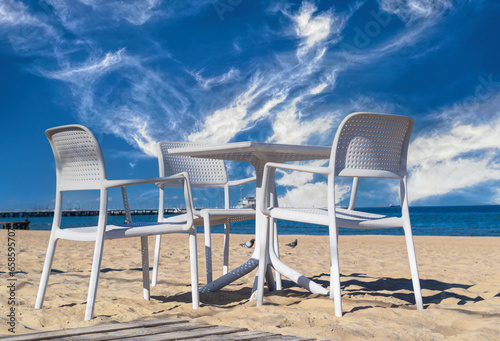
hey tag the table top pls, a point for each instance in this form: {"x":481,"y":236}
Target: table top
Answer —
{"x":256,"y":152}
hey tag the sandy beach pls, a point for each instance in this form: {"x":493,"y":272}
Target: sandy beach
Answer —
{"x":460,"y":278}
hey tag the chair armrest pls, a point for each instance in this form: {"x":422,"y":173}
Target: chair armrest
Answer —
{"x":240,"y":181}
{"x":267,"y":178}
{"x":300,"y":168}
{"x":130,"y":182}
{"x":232,"y":184}
{"x":184,"y":177}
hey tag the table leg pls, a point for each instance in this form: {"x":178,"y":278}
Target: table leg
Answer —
{"x":233,"y":275}
{"x":272,"y":260}
{"x":249,"y":265}
{"x":296,"y":277}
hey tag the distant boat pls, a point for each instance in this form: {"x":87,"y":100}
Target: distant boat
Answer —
{"x":246,"y":203}
{"x":391,"y":205}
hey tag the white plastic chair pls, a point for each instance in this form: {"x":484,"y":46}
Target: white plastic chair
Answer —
{"x":366,"y":145}
{"x":204,"y":173}
{"x":80,"y":166}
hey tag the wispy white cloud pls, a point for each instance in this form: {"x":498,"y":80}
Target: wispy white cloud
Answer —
{"x":450,"y":144}
{"x":369,"y":51}
{"x":480,"y":107}
{"x":250,"y":106}
{"x":136,"y":12}
{"x":461,"y":154}
{"x":269,"y":105}
{"x":136,"y":128}
{"x":68,"y":14}
{"x":237,"y":47}
{"x":289,"y":128}
{"x":142,"y":110}
{"x":294,"y":179}
{"x":447,"y":176}
{"x":91,"y":69}
{"x":420,"y":16}
{"x":318,"y":89}
{"x":28,"y":33}
{"x":368,"y":104}
{"x":412,"y":10}
{"x":496,"y":198}
{"x":208,"y":83}
{"x":183,"y":8}
{"x":15,"y":13}
{"x":314,"y":29}
{"x":289,"y":178}
{"x":313,"y":194}
{"x":139,"y":12}
{"x":225,"y":123}
{"x":127,"y":119}
{"x":270,"y":90}
{"x":329,"y":80}
{"x":302,"y":191}
{"x":145,"y":112}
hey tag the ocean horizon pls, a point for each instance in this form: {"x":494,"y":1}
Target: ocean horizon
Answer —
{"x":481,"y":220}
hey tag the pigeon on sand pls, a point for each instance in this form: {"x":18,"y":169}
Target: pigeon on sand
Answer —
{"x":249,"y":243}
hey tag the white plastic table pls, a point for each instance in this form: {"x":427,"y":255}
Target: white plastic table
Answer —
{"x":257,"y":154}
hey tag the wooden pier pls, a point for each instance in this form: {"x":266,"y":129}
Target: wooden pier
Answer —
{"x":15,"y":225}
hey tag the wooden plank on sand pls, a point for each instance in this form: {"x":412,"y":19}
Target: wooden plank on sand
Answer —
{"x":245,"y":335}
{"x":91,"y":330}
{"x":161,"y":329}
{"x":188,"y":334}
{"x":137,"y":333}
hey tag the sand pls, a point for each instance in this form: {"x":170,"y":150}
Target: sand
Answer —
{"x":460,"y":278}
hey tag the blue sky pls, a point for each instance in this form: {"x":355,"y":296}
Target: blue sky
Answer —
{"x":138,"y":72}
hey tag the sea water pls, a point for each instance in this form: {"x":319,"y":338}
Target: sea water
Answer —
{"x":426,"y":221}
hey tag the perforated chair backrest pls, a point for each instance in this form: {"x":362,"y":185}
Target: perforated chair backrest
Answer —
{"x":78,"y":156}
{"x":203,"y":173}
{"x":372,"y":145}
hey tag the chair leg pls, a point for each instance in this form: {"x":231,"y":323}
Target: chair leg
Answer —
{"x":261,"y":270}
{"x":271,"y":283}
{"x":156,"y":260}
{"x":47,"y":266}
{"x":225,"y":265}
{"x":193,"y":256}
{"x":208,"y":246}
{"x":94,"y":278}
{"x":335,"y":274}
{"x":279,"y":285}
{"x":145,"y":267}
{"x":274,"y":199}
{"x":413,"y":266}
